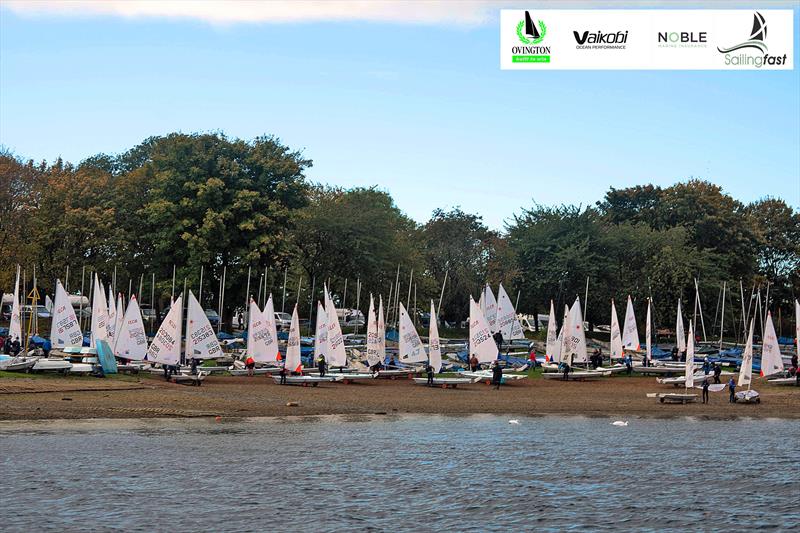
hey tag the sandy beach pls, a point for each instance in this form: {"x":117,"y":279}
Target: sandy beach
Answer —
{"x":147,"y":396}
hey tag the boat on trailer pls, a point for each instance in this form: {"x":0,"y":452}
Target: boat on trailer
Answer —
{"x":444,"y":382}
{"x":578,"y":375}
{"x":306,"y":381}
{"x":485,"y":376}
{"x":18,"y":364}
{"x":256,"y":371}
{"x":673,"y":397}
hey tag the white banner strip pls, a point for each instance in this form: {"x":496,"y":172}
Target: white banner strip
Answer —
{"x":647,"y":39}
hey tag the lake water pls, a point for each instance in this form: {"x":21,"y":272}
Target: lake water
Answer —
{"x":399,"y":473}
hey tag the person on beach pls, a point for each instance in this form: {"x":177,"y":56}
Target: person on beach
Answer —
{"x":250,"y":365}
{"x":717,"y":372}
{"x":794,"y":364}
{"x":321,"y":365}
{"x":194,"y":366}
{"x":565,"y":369}
{"x":706,"y":366}
{"x":705,"y":391}
{"x":429,"y":372}
{"x":7,"y":345}
{"x":241,"y":320}
{"x":473,"y":363}
{"x":732,"y":387}
{"x":282,"y":374}
{"x":674,"y":353}
{"x":497,"y":375}
{"x":628,"y":363}
{"x":392,"y":364}
{"x":16,"y":347}
{"x":166,"y":372}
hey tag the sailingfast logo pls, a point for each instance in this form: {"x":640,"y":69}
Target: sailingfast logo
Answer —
{"x":756,"y":41}
{"x":530,"y":34}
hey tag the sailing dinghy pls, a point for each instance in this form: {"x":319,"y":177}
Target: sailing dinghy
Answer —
{"x":746,"y":372}
{"x":292,"y":362}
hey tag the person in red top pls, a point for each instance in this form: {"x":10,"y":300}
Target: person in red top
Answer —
{"x":250,"y":365}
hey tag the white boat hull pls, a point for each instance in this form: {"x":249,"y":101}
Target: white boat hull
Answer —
{"x":305,"y":381}
{"x":748,"y":396}
{"x":445,"y":383}
{"x":782,"y":381}
{"x":51,"y":365}
{"x":578,"y":375}
{"x":17,"y":364}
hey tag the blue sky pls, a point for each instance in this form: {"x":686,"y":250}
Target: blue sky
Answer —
{"x":421,"y":110}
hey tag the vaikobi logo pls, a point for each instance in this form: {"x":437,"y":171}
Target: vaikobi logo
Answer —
{"x":757,"y":41}
{"x":530,"y":35}
{"x":601,"y":41}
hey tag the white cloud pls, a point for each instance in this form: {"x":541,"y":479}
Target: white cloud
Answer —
{"x":465,"y":13}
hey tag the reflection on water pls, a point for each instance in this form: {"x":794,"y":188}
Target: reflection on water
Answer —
{"x":399,"y":473}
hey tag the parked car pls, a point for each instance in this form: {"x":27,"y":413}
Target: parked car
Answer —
{"x":148,"y":314}
{"x":283,"y":321}
{"x":213,"y":317}
{"x":41,"y":311}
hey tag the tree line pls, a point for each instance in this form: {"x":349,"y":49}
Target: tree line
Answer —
{"x":186,"y":201}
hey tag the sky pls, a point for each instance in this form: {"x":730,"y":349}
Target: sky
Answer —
{"x":406,"y":96}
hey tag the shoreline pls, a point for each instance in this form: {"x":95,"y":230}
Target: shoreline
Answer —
{"x":148,"y":397}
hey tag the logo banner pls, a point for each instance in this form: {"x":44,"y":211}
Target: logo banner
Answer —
{"x":647,"y":39}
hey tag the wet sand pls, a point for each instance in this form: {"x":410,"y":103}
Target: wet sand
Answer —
{"x":225,"y":396}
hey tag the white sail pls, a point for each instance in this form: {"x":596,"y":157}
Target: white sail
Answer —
{"x":771,"y":359}
{"x":564,"y":327}
{"x":131,"y":341}
{"x":552,"y":347}
{"x":746,"y":370}
{"x":481,"y":343}
{"x":630,"y":335}
{"x":373,"y":342}
{"x":268,"y":314}
{"x":381,"y":331}
{"x":490,"y":308}
{"x":120,"y":316}
{"x":337,"y":356}
{"x":689,"y":367}
{"x":65,"y":330}
{"x":648,"y":336}
{"x":262,"y":344}
{"x":410,"y":347}
{"x":434,"y":346}
{"x":166,"y":345}
{"x":321,"y":335}
{"x":48,"y":303}
{"x":293,"y":361}
{"x":680,"y":335}
{"x":99,"y":327}
{"x":573,"y":344}
{"x":111,"y":322}
{"x":15,"y":328}
{"x":482,"y":303}
{"x":507,"y":320}
{"x":616,"y":336}
{"x":201,"y":341}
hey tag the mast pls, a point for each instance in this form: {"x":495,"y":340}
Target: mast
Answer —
{"x":722,"y":319}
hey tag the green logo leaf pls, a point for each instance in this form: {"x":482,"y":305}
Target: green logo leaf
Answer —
{"x":524,"y":40}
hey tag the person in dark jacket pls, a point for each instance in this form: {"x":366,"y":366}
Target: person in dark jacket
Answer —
{"x":566,"y":370}
{"x":628,"y":364}
{"x":7,"y":345}
{"x":732,"y":387}
{"x":498,"y":339}
{"x":717,"y":372}
{"x":705,"y":391}
{"x":675,"y":353}
{"x":321,"y":365}
{"x":16,"y":347}
{"x":194,"y":366}
{"x":282,"y":374}
{"x":706,"y":366}
{"x":497,"y":375}
{"x":429,"y":372}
